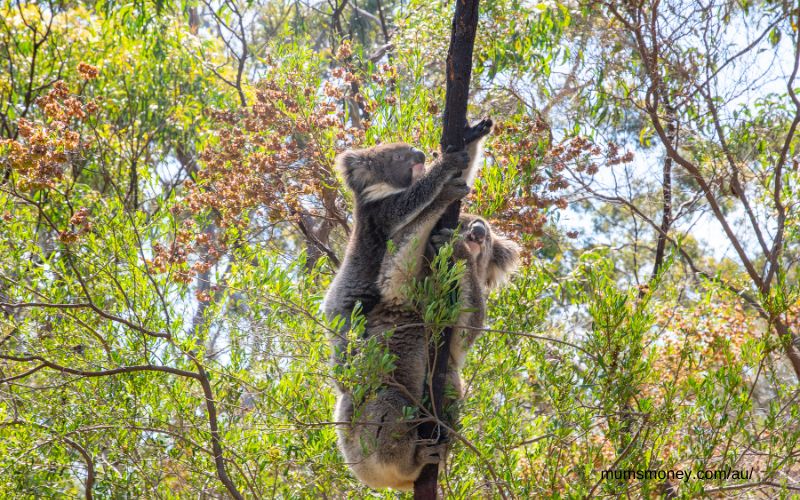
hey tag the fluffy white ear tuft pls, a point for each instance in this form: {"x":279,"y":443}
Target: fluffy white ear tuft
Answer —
{"x":504,"y":261}
{"x":354,"y":167}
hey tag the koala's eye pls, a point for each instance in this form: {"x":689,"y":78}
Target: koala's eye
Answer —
{"x":397,"y":156}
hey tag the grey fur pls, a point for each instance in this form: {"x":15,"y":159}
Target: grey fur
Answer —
{"x":386,"y":201}
{"x":376,"y":219}
{"x":382,"y":448}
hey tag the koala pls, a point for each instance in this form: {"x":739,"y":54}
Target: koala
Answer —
{"x":378,"y":432}
{"x":392,"y":190}
{"x":490,"y":260}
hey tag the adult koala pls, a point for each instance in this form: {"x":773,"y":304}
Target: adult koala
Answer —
{"x":392,"y":191}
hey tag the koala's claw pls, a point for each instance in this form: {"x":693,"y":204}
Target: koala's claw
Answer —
{"x":480,"y":129}
{"x":455,"y":189}
{"x":456,"y":162}
{"x":432,"y":454}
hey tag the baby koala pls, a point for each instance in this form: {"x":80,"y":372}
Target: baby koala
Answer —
{"x":378,"y":435}
{"x":490,"y":260}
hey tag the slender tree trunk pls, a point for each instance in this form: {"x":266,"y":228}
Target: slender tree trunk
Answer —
{"x":458,"y":71}
{"x":666,"y":190}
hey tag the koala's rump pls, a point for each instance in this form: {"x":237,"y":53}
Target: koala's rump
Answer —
{"x":381,"y":439}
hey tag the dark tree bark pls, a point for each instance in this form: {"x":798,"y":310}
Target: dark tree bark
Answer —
{"x":666,"y":190}
{"x":458,"y":72}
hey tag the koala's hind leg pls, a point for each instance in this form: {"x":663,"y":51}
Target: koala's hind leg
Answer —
{"x":397,"y":435}
{"x":431,"y":453}
{"x":383,"y":447}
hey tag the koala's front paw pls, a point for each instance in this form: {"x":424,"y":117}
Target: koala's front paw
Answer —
{"x":462,"y":250}
{"x":477,"y":131}
{"x":441,"y":237}
{"x":470,"y":244}
{"x":455,"y":162}
{"x":455,"y":189}
{"x":472,"y":240}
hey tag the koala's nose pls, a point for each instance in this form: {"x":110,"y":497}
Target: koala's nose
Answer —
{"x":419,"y":157}
{"x":477,"y":232}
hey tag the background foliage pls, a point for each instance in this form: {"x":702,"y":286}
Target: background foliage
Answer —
{"x":170,"y":221}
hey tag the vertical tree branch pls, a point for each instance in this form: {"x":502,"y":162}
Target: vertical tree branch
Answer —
{"x":777,"y":244}
{"x":458,"y":72}
{"x":666,"y":189}
{"x":216,"y":442}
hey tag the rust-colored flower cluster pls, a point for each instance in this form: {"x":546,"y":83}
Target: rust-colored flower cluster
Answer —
{"x":274,"y":158}
{"x":44,"y":148}
{"x":270,"y":163}
{"x":521,"y":143}
{"x":344,"y":51}
{"x":87,"y":71}
{"x":547,"y":172}
{"x":81,"y":224}
{"x":175,"y":257}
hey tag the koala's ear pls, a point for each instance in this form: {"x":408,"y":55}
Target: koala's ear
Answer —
{"x":354,"y":165}
{"x":504,"y":261}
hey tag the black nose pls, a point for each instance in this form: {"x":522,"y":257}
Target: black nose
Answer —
{"x":477,"y":232}
{"x":419,"y":157}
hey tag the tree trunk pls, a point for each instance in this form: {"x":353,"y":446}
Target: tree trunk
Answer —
{"x":458,"y":71}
